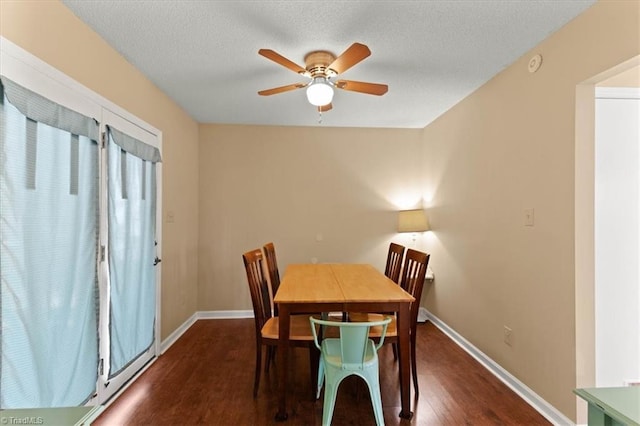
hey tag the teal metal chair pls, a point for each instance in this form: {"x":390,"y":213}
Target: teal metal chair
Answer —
{"x":353,"y":353}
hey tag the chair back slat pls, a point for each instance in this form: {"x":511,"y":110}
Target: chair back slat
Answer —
{"x":413,"y":276}
{"x":394,"y":262}
{"x":353,"y":346}
{"x":272,"y":268}
{"x":258,"y":287}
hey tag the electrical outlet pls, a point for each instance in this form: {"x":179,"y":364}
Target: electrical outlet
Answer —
{"x":508,"y":336}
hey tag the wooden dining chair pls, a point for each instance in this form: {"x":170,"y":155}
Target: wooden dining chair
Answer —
{"x":267,"y":325}
{"x":352,"y":353}
{"x":274,"y":274}
{"x":413,"y":282}
{"x":413,"y":275}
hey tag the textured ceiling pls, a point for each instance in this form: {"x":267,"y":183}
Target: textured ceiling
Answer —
{"x":204,"y":54}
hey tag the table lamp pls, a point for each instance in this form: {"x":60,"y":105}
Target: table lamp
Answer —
{"x":413,"y":221}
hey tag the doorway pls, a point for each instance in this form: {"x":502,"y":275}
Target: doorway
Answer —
{"x":626,"y":74}
{"x":617,"y":213}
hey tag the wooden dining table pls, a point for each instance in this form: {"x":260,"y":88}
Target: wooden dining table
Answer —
{"x":341,"y":287}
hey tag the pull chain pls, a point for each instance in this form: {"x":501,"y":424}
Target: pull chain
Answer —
{"x":319,"y":115}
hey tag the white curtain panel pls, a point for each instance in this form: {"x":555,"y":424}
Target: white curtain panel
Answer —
{"x":132,"y":273}
{"x":48,"y":252}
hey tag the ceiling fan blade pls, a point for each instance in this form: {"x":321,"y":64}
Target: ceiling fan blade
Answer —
{"x":281,"y":89}
{"x":354,"y":54}
{"x":279,"y":59}
{"x":362,"y":87}
{"x":325,"y":108}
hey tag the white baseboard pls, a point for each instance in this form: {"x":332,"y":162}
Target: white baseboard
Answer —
{"x":224,"y":314}
{"x":529,"y":396}
{"x":175,"y":335}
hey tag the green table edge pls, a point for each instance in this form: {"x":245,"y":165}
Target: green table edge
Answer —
{"x":585,"y":394}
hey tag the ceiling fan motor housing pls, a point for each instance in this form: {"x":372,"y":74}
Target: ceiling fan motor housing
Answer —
{"x":316,"y":63}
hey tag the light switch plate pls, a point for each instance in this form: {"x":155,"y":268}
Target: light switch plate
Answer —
{"x":528,"y":217}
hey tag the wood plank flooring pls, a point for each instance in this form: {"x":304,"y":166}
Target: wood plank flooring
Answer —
{"x":206,"y":378}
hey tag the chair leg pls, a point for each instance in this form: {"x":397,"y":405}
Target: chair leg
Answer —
{"x":320,"y":380}
{"x":271,"y":358}
{"x":373,"y":383}
{"x":267,"y":360}
{"x":256,"y":380}
{"x":414,"y":370}
{"x":330,"y":391}
{"x":314,"y":363}
{"x":395,"y":351}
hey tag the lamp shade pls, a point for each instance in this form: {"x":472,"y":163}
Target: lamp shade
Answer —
{"x":319,"y":92}
{"x":412,"y":221}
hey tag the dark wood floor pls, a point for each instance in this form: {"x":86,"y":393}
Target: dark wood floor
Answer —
{"x":206,"y":378}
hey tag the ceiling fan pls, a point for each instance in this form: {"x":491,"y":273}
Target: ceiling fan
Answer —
{"x":322,"y":67}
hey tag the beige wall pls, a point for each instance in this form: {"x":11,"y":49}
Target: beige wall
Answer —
{"x":508,"y":147}
{"x":628,"y":78}
{"x":291,"y":185}
{"x":51,"y":32}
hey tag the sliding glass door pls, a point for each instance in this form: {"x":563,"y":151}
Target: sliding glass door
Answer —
{"x":79,"y":239}
{"x":49,"y":233}
{"x":130,"y":309}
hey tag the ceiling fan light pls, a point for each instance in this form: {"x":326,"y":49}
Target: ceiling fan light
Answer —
{"x":319,"y":92}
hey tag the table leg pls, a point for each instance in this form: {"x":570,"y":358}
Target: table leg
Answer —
{"x":404,"y":361}
{"x":598,"y":417}
{"x":283,"y":355}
